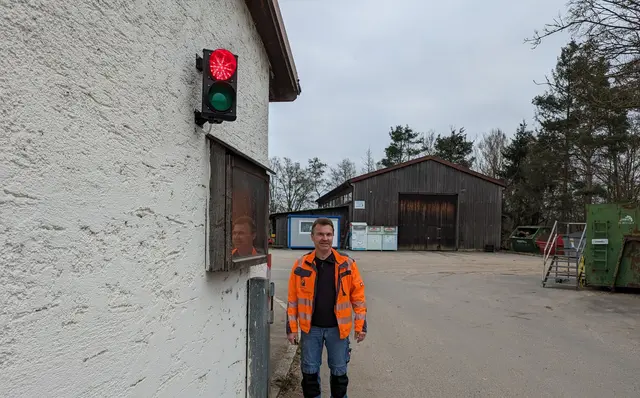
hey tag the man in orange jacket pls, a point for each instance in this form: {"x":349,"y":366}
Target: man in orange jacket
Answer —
{"x":324,"y":286}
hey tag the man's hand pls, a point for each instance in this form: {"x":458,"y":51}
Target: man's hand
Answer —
{"x":292,"y":337}
{"x":360,"y":336}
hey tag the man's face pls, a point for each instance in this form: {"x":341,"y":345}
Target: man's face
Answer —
{"x":322,"y":237}
{"x":242,"y":236}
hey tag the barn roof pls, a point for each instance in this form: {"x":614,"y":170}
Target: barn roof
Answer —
{"x":406,"y":164}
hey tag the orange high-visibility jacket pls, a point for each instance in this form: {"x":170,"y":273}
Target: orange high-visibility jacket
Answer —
{"x":349,"y":288}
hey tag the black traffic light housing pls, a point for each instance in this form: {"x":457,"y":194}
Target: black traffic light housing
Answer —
{"x":219,"y":86}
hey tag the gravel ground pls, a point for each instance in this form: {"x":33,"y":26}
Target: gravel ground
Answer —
{"x":480,"y":325}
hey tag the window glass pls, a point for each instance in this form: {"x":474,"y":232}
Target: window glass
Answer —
{"x":305,"y":227}
{"x":248,"y":212}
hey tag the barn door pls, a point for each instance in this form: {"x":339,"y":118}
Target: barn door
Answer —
{"x":427,"y":222}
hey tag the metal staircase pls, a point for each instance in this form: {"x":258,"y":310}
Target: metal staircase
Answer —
{"x":562,"y":256}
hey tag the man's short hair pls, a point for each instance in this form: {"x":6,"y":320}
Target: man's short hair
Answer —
{"x":246,"y":220}
{"x":322,"y":221}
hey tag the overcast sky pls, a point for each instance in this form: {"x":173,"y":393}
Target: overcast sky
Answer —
{"x":367,"y":65}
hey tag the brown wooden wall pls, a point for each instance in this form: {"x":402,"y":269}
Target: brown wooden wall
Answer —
{"x":341,"y":196}
{"x":281,"y":231}
{"x":479,"y":201}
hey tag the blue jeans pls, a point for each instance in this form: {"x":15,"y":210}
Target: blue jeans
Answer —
{"x":337,"y":354}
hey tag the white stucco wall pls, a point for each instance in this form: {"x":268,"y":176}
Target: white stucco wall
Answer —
{"x":103,"y":189}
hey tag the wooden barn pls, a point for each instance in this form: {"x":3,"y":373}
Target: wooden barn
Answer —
{"x":436,"y":204}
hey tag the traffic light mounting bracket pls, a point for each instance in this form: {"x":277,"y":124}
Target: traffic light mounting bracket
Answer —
{"x":200,"y":121}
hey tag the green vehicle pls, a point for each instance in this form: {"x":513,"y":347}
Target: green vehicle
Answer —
{"x":523,"y":239}
{"x":612,"y":251}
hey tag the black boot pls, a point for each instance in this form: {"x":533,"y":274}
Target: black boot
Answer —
{"x":310,"y":385}
{"x":339,"y":386}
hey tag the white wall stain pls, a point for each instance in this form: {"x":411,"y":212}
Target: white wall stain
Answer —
{"x":103,"y":188}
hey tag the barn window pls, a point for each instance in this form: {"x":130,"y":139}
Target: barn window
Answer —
{"x":237,"y":210}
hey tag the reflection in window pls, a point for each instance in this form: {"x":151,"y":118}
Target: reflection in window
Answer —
{"x":237,"y":210}
{"x":243,"y":236}
{"x":248,"y":206}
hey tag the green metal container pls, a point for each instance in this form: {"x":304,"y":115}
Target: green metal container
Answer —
{"x":612,"y":251}
{"x":523,"y":238}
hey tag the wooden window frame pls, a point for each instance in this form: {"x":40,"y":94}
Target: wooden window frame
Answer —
{"x":223,"y":159}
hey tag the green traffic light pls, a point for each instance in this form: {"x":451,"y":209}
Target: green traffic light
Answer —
{"x":220,"y":97}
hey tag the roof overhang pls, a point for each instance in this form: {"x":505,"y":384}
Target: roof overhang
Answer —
{"x":334,"y":191}
{"x":284,"y":85}
{"x":239,"y":153}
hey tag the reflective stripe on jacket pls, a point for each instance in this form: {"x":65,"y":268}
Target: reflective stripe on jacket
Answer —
{"x":349,"y":289}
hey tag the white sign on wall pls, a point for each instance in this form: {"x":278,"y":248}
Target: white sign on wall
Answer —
{"x":358,"y":204}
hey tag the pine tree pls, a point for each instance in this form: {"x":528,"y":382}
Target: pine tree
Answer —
{"x":405,"y":145}
{"x":576,"y":128}
{"x":525,"y":190}
{"x":557,"y":113}
{"x":455,"y":148}
{"x":515,"y":155}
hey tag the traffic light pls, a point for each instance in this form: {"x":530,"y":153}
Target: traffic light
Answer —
{"x":219,"y":86}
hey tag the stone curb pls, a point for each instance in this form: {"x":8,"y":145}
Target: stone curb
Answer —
{"x":282,"y":367}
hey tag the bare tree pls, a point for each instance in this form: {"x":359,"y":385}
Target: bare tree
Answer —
{"x":292,"y":188}
{"x":490,"y":147}
{"x":316,"y":171}
{"x":612,"y":26}
{"x":276,"y":200}
{"x":618,"y":166}
{"x":369,"y":162}
{"x":429,"y":143}
{"x":342,"y":172}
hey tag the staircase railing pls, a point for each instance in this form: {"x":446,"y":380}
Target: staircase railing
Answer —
{"x":572,"y":254}
{"x":552,"y":240}
{"x":580,"y":253}
{"x":581,"y":244}
{"x":579,"y":248}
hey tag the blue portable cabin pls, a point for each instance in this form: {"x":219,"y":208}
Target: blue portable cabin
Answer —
{"x":279,"y":224}
{"x":299,"y":230}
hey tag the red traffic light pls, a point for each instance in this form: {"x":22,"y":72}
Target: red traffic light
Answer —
{"x":222,"y":64}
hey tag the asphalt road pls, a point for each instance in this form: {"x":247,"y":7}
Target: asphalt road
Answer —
{"x":480,"y":325}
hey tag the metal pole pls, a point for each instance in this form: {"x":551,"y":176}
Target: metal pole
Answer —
{"x":258,"y":339}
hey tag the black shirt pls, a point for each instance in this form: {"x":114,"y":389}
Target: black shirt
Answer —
{"x":324,"y":315}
